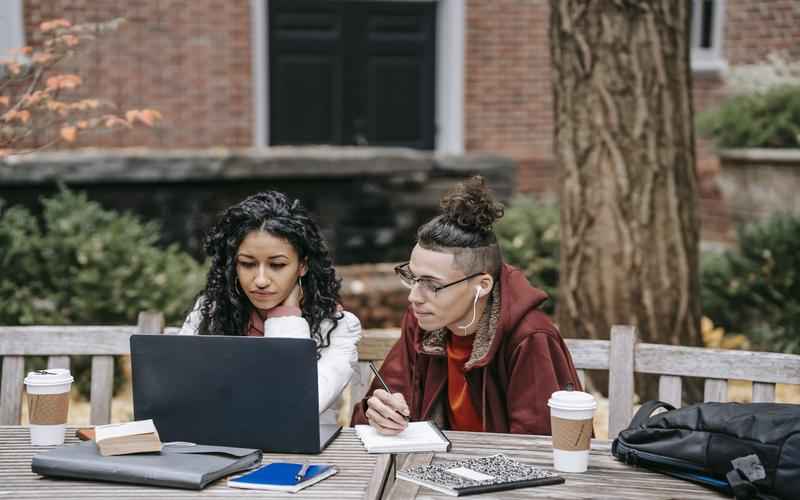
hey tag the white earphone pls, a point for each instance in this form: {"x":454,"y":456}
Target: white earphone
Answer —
{"x":478,"y":290}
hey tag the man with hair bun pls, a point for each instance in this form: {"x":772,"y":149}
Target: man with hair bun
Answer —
{"x":475,"y":352}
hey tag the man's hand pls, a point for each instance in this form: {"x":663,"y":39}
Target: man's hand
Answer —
{"x":386,"y":412}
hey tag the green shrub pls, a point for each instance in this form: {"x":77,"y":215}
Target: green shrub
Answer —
{"x":755,"y":289}
{"x":81,"y":264}
{"x":529,"y":237}
{"x":769,"y":119}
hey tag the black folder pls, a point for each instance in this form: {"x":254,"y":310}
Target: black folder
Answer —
{"x":176,"y":466}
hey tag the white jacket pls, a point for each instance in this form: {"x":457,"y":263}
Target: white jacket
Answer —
{"x":337,"y":363}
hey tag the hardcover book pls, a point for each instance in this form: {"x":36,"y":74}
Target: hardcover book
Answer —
{"x":128,"y":437}
{"x":479,"y":475}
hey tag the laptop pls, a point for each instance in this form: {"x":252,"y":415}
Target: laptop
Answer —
{"x":250,"y":392}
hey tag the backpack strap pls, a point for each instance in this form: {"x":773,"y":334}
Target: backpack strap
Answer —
{"x":646,"y":410}
{"x":745,"y":471}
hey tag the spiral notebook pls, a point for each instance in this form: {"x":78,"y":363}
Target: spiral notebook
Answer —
{"x":479,"y":475}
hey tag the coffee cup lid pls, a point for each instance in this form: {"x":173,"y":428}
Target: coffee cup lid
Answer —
{"x":51,"y":376}
{"x":572,"y":400}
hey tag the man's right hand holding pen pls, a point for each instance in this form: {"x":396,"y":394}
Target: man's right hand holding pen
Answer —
{"x":388,"y":413}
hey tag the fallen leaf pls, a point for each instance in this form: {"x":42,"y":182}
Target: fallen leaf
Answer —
{"x":69,"y":133}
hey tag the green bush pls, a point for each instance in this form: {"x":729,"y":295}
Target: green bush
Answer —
{"x":755,"y":289}
{"x":81,"y":264}
{"x":769,"y":119}
{"x":529,"y":237}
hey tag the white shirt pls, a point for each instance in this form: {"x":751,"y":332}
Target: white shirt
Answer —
{"x":337,"y":363}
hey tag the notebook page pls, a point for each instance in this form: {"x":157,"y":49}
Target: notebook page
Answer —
{"x":124,"y":429}
{"x":416,"y":434}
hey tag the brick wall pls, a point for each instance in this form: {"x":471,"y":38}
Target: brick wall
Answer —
{"x":754,"y":28}
{"x":190,"y":59}
{"x":508,"y":106}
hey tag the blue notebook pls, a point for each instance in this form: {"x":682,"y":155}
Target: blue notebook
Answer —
{"x":280,"y":476}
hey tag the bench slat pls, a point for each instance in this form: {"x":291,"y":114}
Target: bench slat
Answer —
{"x":589,"y":354}
{"x":11,"y":390}
{"x":763,"y":393}
{"x":375,"y":344}
{"x":669,"y":390}
{"x":716,"y":390}
{"x":65,"y":340}
{"x":102,"y":386}
{"x":620,"y":379}
{"x":58,"y":362}
{"x":680,"y":361}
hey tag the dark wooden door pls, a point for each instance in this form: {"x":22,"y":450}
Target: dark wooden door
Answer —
{"x":352,"y":72}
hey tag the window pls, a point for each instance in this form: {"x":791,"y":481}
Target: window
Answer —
{"x":707,"y":35}
{"x":11,"y":29}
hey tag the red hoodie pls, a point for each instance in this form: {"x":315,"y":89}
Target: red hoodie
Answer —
{"x":517,"y":362}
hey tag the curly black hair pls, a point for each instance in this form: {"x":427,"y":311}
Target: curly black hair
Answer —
{"x":225,"y":308}
{"x":464,"y":228}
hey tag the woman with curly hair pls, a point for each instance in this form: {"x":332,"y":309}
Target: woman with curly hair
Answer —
{"x":271,"y":276}
{"x":475,"y":353}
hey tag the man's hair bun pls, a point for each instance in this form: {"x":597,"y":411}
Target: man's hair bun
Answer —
{"x":471,"y":206}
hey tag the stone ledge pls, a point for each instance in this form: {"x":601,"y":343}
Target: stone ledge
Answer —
{"x":98,"y":166}
{"x":760,"y":155}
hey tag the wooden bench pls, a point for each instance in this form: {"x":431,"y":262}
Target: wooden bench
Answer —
{"x":629,"y":357}
{"x":623,"y":356}
{"x":102,"y":343}
{"x":716,"y":366}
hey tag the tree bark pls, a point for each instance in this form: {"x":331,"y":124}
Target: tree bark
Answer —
{"x":624,"y":140}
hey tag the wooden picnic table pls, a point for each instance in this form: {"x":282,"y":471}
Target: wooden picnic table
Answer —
{"x":360,"y":475}
{"x":606,"y":478}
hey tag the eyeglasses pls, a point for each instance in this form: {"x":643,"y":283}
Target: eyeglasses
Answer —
{"x":427,"y":285}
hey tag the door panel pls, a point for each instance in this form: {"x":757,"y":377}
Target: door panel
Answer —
{"x":352,"y":72}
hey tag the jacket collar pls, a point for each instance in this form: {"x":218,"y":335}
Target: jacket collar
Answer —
{"x":435,"y":342}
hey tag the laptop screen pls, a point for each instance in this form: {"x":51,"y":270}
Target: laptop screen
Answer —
{"x":252,"y":392}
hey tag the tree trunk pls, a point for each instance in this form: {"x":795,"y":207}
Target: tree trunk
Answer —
{"x":625,"y":143}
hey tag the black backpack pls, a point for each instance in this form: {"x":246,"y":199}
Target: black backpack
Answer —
{"x":750,"y":451}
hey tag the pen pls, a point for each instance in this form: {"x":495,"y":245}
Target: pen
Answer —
{"x":302,"y":472}
{"x":386,"y":387}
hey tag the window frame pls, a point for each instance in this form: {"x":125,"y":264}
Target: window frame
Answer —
{"x":711,"y":59}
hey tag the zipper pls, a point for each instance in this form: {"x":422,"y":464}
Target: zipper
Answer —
{"x":671,"y":466}
{"x":638,"y":457}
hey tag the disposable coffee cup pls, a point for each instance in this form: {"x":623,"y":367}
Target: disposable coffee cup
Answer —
{"x":571,"y":418}
{"x":48,"y":405}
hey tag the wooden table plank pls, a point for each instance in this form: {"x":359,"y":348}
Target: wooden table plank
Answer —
{"x":360,"y":475}
{"x":606,"y":478}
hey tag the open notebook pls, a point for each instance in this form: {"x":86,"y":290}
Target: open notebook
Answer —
{"x":418,"y":436}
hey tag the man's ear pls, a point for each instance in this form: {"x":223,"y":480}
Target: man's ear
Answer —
{"x":486,"y":284}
